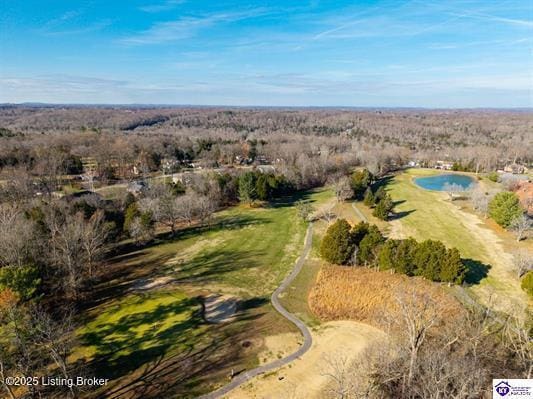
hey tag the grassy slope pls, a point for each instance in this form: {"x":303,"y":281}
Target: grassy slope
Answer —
{"x":295,"y":298}
{"x":429,"y":215}
{"x":246,"y":252}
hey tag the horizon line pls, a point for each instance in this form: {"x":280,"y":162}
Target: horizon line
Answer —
{"x":37,"y":104}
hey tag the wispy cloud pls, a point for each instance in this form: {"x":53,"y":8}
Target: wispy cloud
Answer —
{"x":488,"y":17}
{"x":165,"y":6}
{"x":185,"y":27}
{"x":71,"y":23}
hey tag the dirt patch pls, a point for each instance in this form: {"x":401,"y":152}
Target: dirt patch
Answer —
{"x":145,"y":284}
{"x":186,"y":254}
{"x":304,"y":378}
{"x":278,"y":346}
{"x":219,"y":308}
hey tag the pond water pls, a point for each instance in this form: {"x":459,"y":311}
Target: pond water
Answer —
{"x":439,"y":182}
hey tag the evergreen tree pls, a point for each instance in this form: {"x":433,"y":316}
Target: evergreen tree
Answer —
{"x":338,"y":245}
{"x":369,"y":197}
{"x":452,"y":268}
{"x":247,"y":187}
{"x":504,"y":208}
{"x":369,"y":245}
{"x":359,"y":181}
{"x":383,"y":208}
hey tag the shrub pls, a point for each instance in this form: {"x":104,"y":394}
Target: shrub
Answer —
{"x":504,"y":208}
{"x":338,"y":245}
{"x":493,"y":176}
{"x":23,"y":280}
{"x":527,"y":283}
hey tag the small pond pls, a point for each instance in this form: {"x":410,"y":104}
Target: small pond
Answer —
{"x":439,"y":182}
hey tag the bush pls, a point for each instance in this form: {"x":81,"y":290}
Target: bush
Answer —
{"x":493,"y":176}
{"x":504,"y":208}
{"x":23,"y":280}
{"x":338,"y":244}
{"x":527,"y":283}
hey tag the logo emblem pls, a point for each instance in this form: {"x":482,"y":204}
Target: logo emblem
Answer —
{"x":502,"y":388}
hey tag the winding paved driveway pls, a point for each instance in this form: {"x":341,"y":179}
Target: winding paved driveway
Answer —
{"x":308,"y":340}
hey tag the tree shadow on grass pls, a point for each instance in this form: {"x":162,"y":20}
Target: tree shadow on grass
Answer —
{"x":383,"y":182}
{"x":181,"y":360}
{"x":214,"y":264}
{"x":289,"y":200}
{"x":128,"y":250}
{"x":402,"y":214}
{"x":475,"y":271}
{"x":121,"y":348}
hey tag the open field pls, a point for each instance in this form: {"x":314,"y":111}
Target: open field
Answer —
{"x":305,"y":377}
{"x":139,"y":335}
{"x":430,"y":215}
{"x":361,"y":294}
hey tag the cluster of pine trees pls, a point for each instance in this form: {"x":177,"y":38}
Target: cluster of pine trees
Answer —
{"x":255,"y":185}
{"x":364,"y":244}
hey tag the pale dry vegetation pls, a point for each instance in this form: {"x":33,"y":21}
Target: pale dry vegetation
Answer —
{"x":362,"y":294}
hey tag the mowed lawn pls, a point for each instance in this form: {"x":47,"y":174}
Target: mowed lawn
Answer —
{"x":245,"y":252}
{"x":425,"y":214}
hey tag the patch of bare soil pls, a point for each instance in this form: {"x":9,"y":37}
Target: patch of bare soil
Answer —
{"x":145,"y":284}
{"x":278,"y":346}
{"x":305,"y":377}
{"x":219,"y":308}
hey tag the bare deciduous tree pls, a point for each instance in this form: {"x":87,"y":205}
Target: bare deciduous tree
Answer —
{"x":342,"y":188}
{"x":523,"y":261}
{"x":521,"y":226}
{"x":340,"y":374}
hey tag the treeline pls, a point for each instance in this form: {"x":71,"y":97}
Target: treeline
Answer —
{"x":53,"y":252}
{"x":39,"y":139}
{"x":364,"y":244}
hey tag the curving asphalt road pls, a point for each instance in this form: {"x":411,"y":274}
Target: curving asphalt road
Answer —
{"x":308,"y":340}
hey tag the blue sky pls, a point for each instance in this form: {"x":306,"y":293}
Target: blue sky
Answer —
{"x":289,"y":53}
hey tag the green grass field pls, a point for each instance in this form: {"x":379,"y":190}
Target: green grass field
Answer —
{"x":245,"y":252}
{"x":430,"y":215}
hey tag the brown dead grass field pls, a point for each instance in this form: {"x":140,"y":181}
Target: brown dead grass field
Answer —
{"x":362,"y":294}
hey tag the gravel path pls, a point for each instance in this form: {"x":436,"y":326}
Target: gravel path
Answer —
{"x":359,"y":214}
{"x":308,"y":340}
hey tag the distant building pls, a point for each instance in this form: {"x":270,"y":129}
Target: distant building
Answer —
{"x":444,"y":165}
{"x":266,"y":169}
{"x":515,"y":169}
{"x":136,"y":187}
